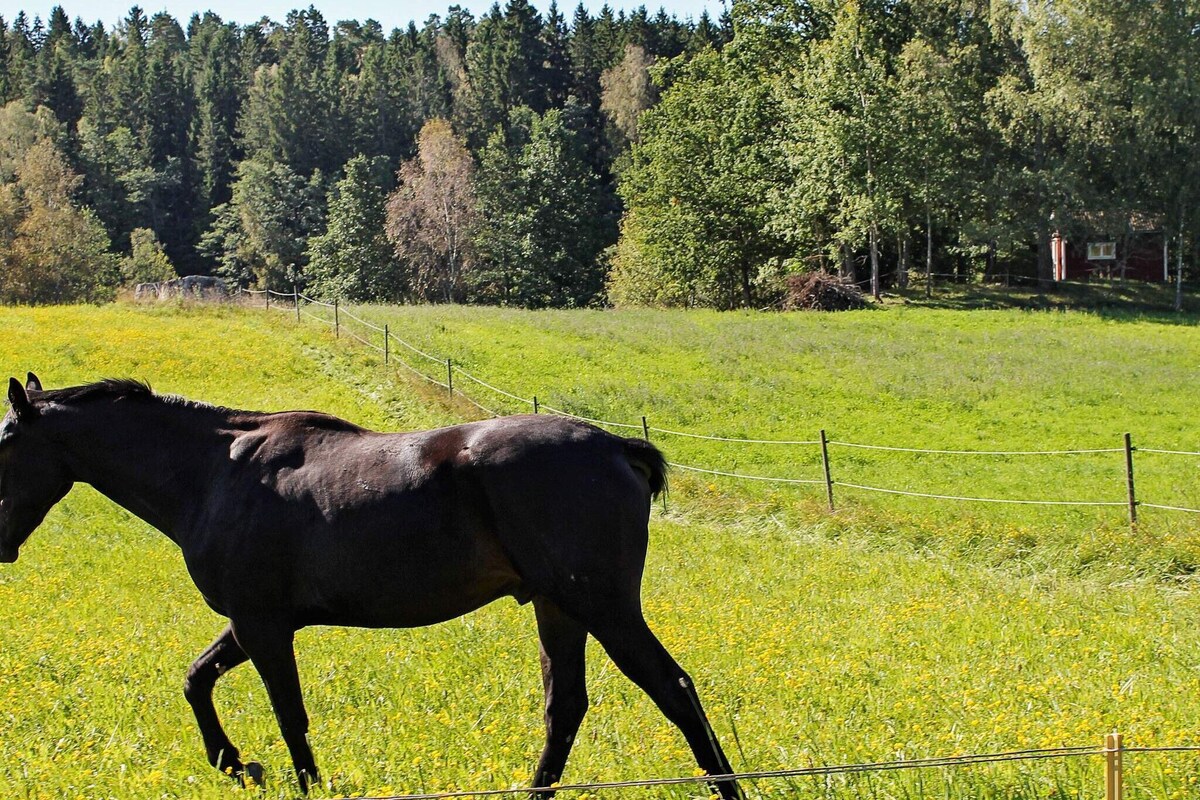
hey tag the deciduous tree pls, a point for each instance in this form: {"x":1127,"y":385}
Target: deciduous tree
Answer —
{"x":627,"y":91}
{"x":696,"y":229}
{"x":54,"y":251}
{"x":431,"y":215}
{"x":147,"y":261}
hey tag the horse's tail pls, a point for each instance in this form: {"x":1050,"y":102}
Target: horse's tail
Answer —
{"x":649,"y":460}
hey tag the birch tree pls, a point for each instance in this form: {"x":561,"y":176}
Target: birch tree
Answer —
{"x":431,"y":215}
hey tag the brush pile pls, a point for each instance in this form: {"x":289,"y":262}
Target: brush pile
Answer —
{"x":821,"y":291}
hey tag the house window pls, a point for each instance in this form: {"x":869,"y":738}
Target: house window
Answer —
{"x":1102,"y":251}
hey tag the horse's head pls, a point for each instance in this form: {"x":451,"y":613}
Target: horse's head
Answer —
{"x":32,"y":475}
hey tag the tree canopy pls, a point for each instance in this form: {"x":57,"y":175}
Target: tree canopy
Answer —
{"x":782,"y":137}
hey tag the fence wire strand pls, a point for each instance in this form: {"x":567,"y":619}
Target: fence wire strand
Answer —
{"x":562,"y":413}
{"x":731,"y":439}
{"x":311,"y":315}
{"x":1168,"y":508}
{"x":478,"y":405}
{"x":496,"y":389}
{"x":418,"y":372}
{"x":979,"y":452}
{"x":800,"y":772}
{"x":763,"y":478}
{"x":418,"y":351}
{"x":354,"y":335}
{"x":981,"y":499}
{"x":316,"y":302}
{"x":362,"y":321}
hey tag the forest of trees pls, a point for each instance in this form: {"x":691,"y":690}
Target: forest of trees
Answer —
{"x":532,"y":159}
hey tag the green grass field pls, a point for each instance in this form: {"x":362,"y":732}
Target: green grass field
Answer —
{"x":905,"y":377}
{"x":890,"y":629}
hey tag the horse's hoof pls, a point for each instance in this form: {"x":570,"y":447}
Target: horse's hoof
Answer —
{"x":252,"y":774}
{"x":308,"y":780}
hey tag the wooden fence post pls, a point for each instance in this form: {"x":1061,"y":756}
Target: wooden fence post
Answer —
{"x":267,"y":295}
{"x":825,"y":464}
{"x":337,"y":327}
{"x":535,"y":404}
{"x":296,"y":300}
{"x":1113,"y":767}
{"x":1129,"y":481}
{"x":449,"y":377}
{"x":386,"y":343}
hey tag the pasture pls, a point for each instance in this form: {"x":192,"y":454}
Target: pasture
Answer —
{"x":901,"y":377}
{"x":885,"y":631}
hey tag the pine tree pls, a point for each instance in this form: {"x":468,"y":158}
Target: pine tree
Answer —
{"x":506,"y":63}
{"x":585,"y":61}
{"x":219,"y":91}
{"x":543,"y":225}
{"x":21,"y":66}
{"x":353,"y":259}
{"x":289,"y":114}
{"x":556,"y":40}
{"x":174,"y":214}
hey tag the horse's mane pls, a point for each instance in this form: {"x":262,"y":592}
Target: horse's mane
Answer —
{"x":112,"y":388}
{"x":121,"y":389}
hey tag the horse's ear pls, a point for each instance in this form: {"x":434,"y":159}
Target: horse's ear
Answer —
{"x":20,"y":401}
{"x":32,"y":384}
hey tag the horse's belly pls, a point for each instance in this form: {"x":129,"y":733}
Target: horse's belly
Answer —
{"x":400,"y":587}
{"x":404,"y":607}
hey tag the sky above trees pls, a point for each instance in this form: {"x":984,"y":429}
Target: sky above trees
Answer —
{"x":387,"y":13}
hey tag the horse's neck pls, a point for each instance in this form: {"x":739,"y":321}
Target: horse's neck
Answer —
{"x":150,"y":458}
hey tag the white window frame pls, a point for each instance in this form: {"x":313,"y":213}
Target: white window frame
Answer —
{"x":1102,"y":251}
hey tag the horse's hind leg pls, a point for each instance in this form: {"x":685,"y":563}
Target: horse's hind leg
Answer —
{"x":639,"y":654}
{"x":220,"y":657}
{"x":562,"y":644}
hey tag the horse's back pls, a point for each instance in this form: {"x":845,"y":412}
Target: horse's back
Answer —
{"x":375,"y":529}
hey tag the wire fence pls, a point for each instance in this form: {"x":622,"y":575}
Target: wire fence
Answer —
{"x":384,"y":341}
{"x":1113,"y":751}
{"x":800,"y":772}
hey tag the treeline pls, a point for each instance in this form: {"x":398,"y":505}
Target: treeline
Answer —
{"x":525,"y":158}
{"x":884,"y":138}
{"x":263,"y":153}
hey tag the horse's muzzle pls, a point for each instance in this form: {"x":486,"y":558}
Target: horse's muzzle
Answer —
{"x":7,"y":554}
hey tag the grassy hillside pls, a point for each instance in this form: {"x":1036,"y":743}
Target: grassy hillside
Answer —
{"x":902,"y":377}
{"x":812,"y":644}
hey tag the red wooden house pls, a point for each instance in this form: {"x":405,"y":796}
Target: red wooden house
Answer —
{"x":1138,"y":255}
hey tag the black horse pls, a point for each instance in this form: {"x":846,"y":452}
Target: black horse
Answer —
{"x":300,"y":518}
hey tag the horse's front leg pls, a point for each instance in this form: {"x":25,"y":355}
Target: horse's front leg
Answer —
{"x":268,"y":643}
{"x":221,"y":656}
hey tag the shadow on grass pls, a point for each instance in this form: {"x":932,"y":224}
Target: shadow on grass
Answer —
{"x":1129,"y":301}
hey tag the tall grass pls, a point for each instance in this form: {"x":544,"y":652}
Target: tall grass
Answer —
{"x":903,"y":377}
